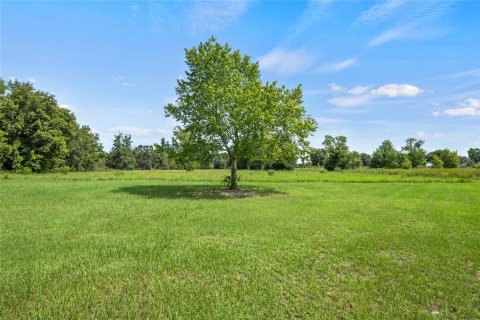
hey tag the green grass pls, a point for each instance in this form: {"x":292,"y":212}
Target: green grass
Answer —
{"x":302,"y":244}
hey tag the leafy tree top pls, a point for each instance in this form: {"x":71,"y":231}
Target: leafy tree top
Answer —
{"x":224,"y":106}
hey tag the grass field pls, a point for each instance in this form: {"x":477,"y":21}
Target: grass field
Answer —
{"x":302,"y":244}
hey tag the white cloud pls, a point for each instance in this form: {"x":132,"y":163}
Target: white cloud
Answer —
{"x":380,"y":11}
{"x":337,"y":66}
{"x":336,"y":88}
{"x":362,"y":95}
{"x":420,"y":134}
{"x":439,"y":135}
{"x":12,"y":78}
{"x":359,"y":90}
{"x":286,"y":62}
{"x":396,"y":90}
{"x":435,"y":113}
{"x":350,"y":101}
{"x":216,"y":15}
{"x":32,"y":80}
{"x":399,"y":32}
{"x":469,"y":107}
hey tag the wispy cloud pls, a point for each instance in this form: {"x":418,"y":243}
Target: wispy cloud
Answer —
{"x":122,"y":81}
{"x":314,"y":11}
{"x":415,"y":21}
{"x":468,"y":108}
{"x":349,"y":101}
{"x":336,"y":88}
{"x":359,"y":90}
{"x":215,"y":15}
{"x":337,"y":66}
{"x":286,"y":62}
{"x":380,"y":11}
{"x":396,"y":33}
{"x":199,"y":16}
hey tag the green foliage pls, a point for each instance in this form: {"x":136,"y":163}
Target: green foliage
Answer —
{"x":386,"y":156}
{"x":436,"y":162}
{"x":366,"y":159}
{"x":318,"y":157}
{"x":474,"y":154}
{"x":121,"y":156}
{"x":336,"y":152}
{"x":223,"y":106}
{"x":416,"y":155}
{"x":354,"y":160}
{"x":39,"y":135}
{"x":450,"y":158}
{"x":165,"y":155}
{"x":146,"y":158}
{"x":85,"y":151}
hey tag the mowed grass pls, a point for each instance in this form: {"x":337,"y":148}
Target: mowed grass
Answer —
{"x":169,"y":244}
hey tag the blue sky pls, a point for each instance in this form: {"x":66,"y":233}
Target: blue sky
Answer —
{"x":370,"y":70}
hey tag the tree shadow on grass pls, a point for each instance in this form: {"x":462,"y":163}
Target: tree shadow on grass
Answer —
{"x":195,"y":192}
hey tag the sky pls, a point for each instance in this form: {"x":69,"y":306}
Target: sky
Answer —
{"x":370,"y":70}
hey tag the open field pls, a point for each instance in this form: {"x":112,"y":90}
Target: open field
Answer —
{"x":301,"y":244}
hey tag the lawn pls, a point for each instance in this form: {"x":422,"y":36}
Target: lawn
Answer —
{"x":302,"y":244}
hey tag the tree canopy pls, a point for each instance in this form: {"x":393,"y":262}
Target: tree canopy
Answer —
{"x":223,"y":106}
{"x":38,"y":135}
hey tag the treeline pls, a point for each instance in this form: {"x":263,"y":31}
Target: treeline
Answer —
{"x":335,"y":154}
{"x":37,"y":135}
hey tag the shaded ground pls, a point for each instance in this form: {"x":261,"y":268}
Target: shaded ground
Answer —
{"x":195,"y":192}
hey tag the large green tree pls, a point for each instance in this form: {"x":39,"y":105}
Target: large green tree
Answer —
{"x":222,"y":106}
{"x":38,"y":135}
{"x":386,"y":156}
{"x":415,"y":153}
{"x":449,"y":158}
{"x":122,"y":156}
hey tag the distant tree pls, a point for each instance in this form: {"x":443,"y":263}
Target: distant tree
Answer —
{"x":415,"y":153}
{"x":165,"y":155}
{"x":318,"y":157}
{"x":85,"y":152}
{"x":121,"y":156}
{"x":450,"y":158}
{"x":222,"y":106}
{"x":385,"y":156}
{"x":474,"y":154}
{"x":146,"y":158}
{"x":354,"y":160}
{"x":337,"y":153}
{"x":436,"y":162}
{"x":366,"y":159}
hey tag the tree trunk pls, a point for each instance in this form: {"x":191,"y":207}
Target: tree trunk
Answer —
{"x":234,"y":176}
